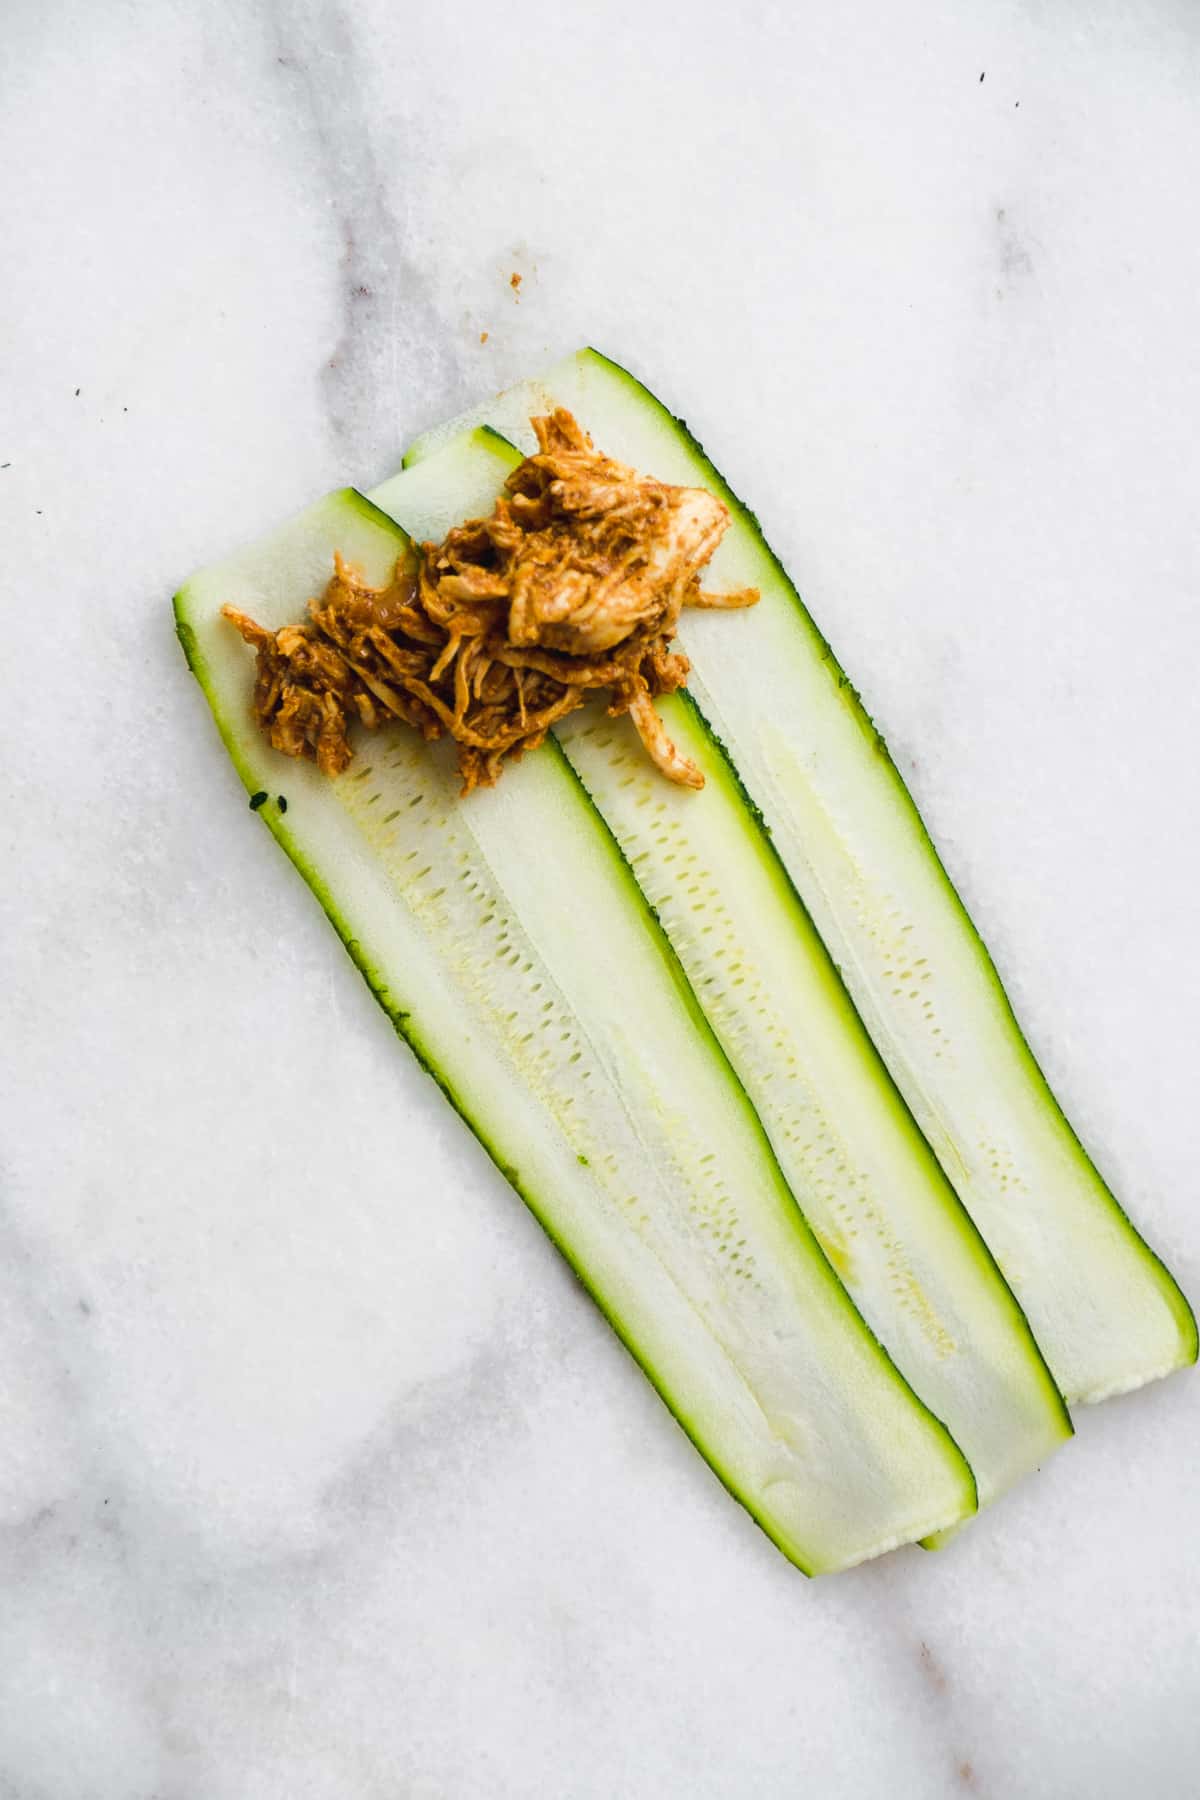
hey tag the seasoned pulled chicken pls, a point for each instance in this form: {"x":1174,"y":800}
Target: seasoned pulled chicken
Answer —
{"x":574,"y":582}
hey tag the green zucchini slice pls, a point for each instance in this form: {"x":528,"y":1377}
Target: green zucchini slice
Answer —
{"x":1105,"y":1310}
{"x":509,"y":944}
{"x":871,"y":1189}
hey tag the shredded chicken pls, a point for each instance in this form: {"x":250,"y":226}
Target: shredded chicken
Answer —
{"x":575,"y":582}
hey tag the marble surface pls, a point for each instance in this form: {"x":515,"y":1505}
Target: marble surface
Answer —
{"x":318,"y":1476}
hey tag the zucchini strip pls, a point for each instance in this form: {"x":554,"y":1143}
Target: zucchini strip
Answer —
{"x":510,"y":946}
{"x":1105,"y":1310}
{"x":868,"y":1184}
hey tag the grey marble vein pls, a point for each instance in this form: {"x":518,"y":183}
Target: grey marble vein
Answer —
{"x":388,"y":319}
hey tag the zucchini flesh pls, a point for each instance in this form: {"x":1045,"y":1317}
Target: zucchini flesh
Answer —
{"x":867,"y":1182}
{"x":1106,"y":1312}
{"x":591,"y":1079}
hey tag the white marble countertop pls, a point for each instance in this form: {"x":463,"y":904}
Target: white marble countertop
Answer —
{"x":319,"y":1478}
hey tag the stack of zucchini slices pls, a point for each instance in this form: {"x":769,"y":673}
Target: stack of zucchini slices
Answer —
{"x":741,"y":1051}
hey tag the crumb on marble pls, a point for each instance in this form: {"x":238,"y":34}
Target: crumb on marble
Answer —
{"x":932,"y":1669}
{"x":483,"y":337}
